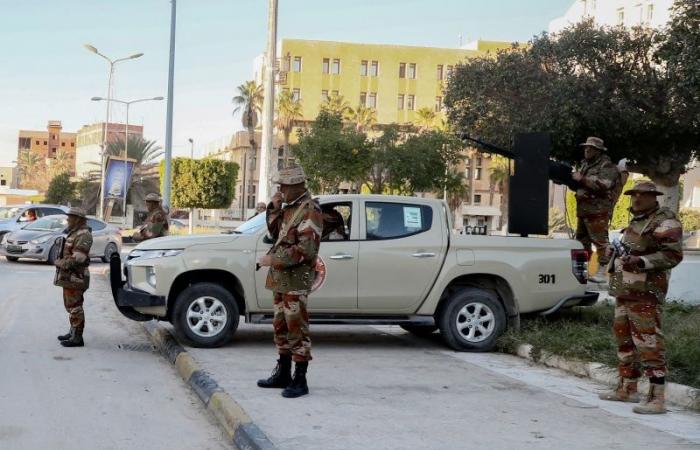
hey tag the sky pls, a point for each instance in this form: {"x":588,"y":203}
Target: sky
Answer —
{"x":47,"y":74}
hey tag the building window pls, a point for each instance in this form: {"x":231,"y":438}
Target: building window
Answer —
{"x":72,"y":144}
{"x":335,"y":93}
{"x":363,"y":69}
{"x":438,"y":104}
{"x":363,"y":98}
{"x":374,"y":69}
{"x":296,"y":95}
{"x":37,"y":142}
{"x":477,"y":173}
{"x":468,"y":173}
{"x":251,"y":196}
{"x":3,"y":182}
{"x":53,"y":150}
{"x":477,"y":199}
{"x":296,"y":67}
{"x":335,"y":68}
{"x":401,"y":101}
{"x":324,"y":96}
{"x":326,"y":65}
{"x":63,"y":144}
{"x":621,"y":16}
{"x":411,"y":103}
{"x":45,"y":143}
{"x":650,"y":13}
{"x":439,"y":72}
{"x":449,"y":71}
{"x":402,"y":70}
{"x":412,"y":71}
{"x":53,"y":136}
{"x":25,"y":143}
{"x":372,"y":100}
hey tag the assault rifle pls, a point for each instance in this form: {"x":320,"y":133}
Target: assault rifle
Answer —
{"x":619,"y":251}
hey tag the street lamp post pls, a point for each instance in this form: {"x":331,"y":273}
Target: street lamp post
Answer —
{"x":112,"y":63}
{"x":190,"y":225}
{"x":126,"y":142}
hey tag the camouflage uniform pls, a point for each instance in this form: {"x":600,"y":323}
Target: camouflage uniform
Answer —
{"x":594,"y":204}
{"x":297,"y":230}
{"x":656,"y":237}
{"x":73,"y":275}
{"x":156,"y":225}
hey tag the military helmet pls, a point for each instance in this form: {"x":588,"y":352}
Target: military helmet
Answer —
{"x":644,"y":186}
{"x":594,"y":142}
{"x":290,"y":175}
{"x":153,"y":198}
{"x":77,"y":212}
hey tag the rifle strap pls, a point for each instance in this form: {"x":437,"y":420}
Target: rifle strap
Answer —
{"x":295,"y":218}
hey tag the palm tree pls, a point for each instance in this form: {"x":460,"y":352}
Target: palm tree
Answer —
{"x":32,"y":170}
{"x":289,"y":110}
{"x":499,"y":177}
{"x":249,"y":101}
{"x":425,"y":118}
{"x":337,"y":104}
{"x":364,"y":117}
{"x":62,"y":162}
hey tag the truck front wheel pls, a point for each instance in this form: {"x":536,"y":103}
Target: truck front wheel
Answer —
{"x":206,"y":314}
{"x":472,"y":320}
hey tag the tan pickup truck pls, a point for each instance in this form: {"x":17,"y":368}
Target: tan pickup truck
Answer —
{"x":398,"y":262}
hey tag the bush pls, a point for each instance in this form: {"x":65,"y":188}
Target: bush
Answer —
{"x":690,"y":219}
{"x":206,"y":183}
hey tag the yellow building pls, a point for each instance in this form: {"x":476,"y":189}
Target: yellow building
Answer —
{"x":8,"y":176}
{"x":395,"y":80}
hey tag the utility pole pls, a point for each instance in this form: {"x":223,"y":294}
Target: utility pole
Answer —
{"x":169,"y":119}
{"x":190,"y":225}
{"x":268,"y":104}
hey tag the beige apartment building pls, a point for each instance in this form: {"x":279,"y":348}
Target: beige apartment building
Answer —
{"x":89,"y":143}
{"x":48,"y":144}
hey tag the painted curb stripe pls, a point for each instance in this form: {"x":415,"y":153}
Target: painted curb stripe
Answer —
{"x":203,"y":385}
{"x":249,"y":437}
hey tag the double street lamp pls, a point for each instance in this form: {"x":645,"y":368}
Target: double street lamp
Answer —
{"x":112,"y":63}
{"x":126,"y":144}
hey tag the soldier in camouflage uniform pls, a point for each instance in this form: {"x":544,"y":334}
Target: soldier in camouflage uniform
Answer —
{"x":157,"y":222}
{"x":296,"y":229}
{"x":73,"y":276}
{"x":653,"y":244}
{"x":595,"y":200}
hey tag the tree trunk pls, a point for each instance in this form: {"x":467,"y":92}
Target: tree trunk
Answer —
{"x":505,"y":190}
{"x":285,"y":155}
{"x":671,"y":198}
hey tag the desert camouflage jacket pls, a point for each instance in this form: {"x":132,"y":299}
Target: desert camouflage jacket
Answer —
{"x":600,"y":178}
{"x":72,"y":268}
{"x":155,"y":225}
{"x":656,"y":237}
{"x":296,"y":230}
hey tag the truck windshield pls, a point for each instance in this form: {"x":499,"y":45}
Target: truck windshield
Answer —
{"x":252,"y":226}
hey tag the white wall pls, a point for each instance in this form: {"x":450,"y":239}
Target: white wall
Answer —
{"x":84,"y":155}
{"x":607,"y":12}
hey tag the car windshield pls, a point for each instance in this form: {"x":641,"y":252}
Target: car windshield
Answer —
{"x":8,"y":212}
{"x":252,"y":226}
{"x":50,"y":223}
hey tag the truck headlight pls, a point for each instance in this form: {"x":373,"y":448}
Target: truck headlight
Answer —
{"x":150,"y":254}
{"x":151,"y":276}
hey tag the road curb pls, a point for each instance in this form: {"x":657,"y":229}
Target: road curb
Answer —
{"x":678,"y":394}
{"x":231,"y":417}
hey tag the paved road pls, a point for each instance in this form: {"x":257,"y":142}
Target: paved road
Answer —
{"x":113,"y":394}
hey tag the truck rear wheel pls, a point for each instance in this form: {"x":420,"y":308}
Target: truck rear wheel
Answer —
{"x":472,"y":320}
{"x":206,"y":315}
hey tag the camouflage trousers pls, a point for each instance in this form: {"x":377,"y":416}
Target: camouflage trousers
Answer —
{"x":637,"y":330}
{"x":73,"y":301}
{"x":291,"y":324}
{"x":594,"y":230}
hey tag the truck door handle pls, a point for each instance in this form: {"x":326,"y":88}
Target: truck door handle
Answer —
{"x":341,"y":256}
{"x":423,"y":255}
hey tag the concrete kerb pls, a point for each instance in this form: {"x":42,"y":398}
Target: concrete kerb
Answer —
{"x":231,"y":417}
{"x":678,"y":394}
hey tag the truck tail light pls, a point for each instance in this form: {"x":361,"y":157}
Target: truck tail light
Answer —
{"x":579,"y":265}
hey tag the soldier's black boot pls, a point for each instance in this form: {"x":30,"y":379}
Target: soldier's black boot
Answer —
{"x":298,"y":386}
{"x":281,"y":376}
{"x":75,"y":340}
{"x":65,"y":337}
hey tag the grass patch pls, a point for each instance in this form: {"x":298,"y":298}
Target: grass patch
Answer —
{"x":585,"y":334}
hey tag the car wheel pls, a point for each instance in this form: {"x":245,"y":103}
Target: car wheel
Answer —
{"x":109,"y":251}
{"x":420,"y":330}
{"x":53,"y":253}
{"x":206,"y":314}
{"x":12,"y":258}
{"x":472,"y":320}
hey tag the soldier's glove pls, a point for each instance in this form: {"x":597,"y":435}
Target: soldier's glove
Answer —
{"x":632,"y":264}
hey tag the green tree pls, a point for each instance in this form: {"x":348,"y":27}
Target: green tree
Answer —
{"x":499,"y":178}
{"x":610,"y":82}
{"x":289,"y":111}
{"x":425,"y":118}
{"x":337,"y":105}
{"x":690,"y":219}
{"x":61,"y":190}
{"x":32,"y":171}
{"x":144,"y":153}
{"x":331,"y":154}
{"x":457,"y":189}
{"x":364,"y":118}
{"x":88,"y":193}
{"x":423,"y":162}
{"x":204,"y":183}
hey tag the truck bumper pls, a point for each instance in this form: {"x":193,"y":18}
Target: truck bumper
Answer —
{"x":127,"y":299}
{"x":590,"y":298}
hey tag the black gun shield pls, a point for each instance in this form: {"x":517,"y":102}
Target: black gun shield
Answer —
{"x":528,"y":207}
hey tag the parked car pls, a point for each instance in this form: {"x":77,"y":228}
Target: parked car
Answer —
{"x":398,"y":262}
{"x":42,"y":240}
{"x":15,"y":217}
